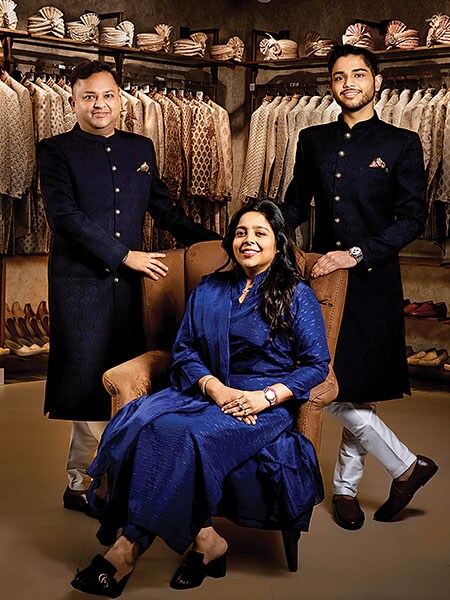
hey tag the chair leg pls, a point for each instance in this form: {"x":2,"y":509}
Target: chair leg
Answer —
{"x":290,"y":541}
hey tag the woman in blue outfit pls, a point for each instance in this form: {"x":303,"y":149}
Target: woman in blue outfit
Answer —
{"x":250,"y":348}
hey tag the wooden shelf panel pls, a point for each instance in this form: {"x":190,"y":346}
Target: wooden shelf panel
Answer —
{"x":50,"y":41}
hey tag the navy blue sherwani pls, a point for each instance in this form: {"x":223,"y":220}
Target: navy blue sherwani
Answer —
{"x":96,"y":192}
{"x":368,"y":184}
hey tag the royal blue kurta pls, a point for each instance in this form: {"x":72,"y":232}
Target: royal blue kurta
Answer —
{"x":167,"y":455}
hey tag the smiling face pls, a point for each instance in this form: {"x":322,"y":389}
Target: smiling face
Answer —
{"x":254,"y":244}
{"x":96,"y":103}
{"x":353,"y":85}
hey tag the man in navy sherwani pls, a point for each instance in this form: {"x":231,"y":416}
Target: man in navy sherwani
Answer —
{"x":97,"y":184}
{"x":367,"y":180}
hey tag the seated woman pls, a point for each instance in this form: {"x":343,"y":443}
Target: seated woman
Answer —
{"x":250,"y":348}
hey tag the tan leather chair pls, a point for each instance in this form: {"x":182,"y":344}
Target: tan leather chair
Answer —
{"x":163,"y":307}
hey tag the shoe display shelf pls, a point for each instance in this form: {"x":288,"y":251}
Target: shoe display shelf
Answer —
{"x":426,"y":276}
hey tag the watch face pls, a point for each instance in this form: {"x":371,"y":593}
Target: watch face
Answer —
{"x":269,"y":395}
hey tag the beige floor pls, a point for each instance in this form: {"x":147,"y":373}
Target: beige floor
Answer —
{"x":41,"y":544}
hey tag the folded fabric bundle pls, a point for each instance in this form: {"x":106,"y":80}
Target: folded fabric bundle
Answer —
{"x":121,"y":35}
{"x":195,"y":45}
{"x":439,"y":30}
{"x":317,"y":46}
{"x":48,"y":21}
{"x":232,"y":50}
{"x":155,"y":42}
{"x":359,"y":35}
{"x":8,"y":17}
{"x":86,"y":29}
{"x":278,"y":49}
{"x":399,"y":36}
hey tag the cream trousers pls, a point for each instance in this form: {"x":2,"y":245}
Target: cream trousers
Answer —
{"x":365,"y":432}
{"x":84,"y":440}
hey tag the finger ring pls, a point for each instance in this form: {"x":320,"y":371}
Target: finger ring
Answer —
{"x":241,"y":406}
{"x":245,"y":411}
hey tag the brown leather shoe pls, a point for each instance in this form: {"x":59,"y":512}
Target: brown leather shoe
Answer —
{"x":76,"y":501}
{"x":347,"y":512}
{"x":402,"y":492}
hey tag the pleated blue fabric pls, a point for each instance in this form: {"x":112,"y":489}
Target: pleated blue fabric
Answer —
{"x":166,"y":460}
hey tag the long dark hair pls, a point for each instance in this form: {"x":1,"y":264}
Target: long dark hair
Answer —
{"x":282,"y":275}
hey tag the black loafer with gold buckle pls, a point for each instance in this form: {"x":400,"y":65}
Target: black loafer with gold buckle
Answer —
{"x":98,"y":579}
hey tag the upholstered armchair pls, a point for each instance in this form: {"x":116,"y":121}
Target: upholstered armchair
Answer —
{"x":163,"y":307}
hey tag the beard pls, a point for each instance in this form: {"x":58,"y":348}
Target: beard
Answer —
{"x":352,"y":106}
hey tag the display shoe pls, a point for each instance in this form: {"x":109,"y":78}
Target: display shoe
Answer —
{"x":98,"y":578}
{"x":26,"y":326}
{"x":430,"y":310}
{"x":407,"y":310}
{"x":8,"y":313}
{"x":347,"y":512}
{"x":18,"y":349}
{"x":46,"y":323}
{"x":446,"y":366}
{"x":10,"y":325}
{"x":45,"y":346}
{"x":37,"y":328}
{"x":428,"y":354}
{"x":4,"y":351}
{"x":409,"y":351}
{"x":29,"y":312}
{"x":435,"y":359}
{"x":402,"y":492}
{"x":42,"y":309}
{"x":410,"y":307}
{"x":192,"y":571}
{"x":73,"y":500}
{"x":35,"y":348}
{"x":17,"y":310}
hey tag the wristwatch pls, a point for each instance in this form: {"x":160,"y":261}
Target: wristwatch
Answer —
{"x":271,"y":396}
{"x":356,"y":253}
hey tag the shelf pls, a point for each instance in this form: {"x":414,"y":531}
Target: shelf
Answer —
{"x":384,"y":56}
{"x":50,"y":41}
{"x":442,"y":321}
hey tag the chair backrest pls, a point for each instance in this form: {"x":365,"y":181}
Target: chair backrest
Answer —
{"x":164,"y":300}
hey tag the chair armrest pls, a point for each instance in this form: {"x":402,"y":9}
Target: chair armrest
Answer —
{"x":135,"y":377}
{"x":309,"y":416}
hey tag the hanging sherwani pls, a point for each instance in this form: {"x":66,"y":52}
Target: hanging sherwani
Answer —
{"x":277,"y":107}
{"x":384,"y":97}
{"x":281,"y":142}
{"x":426,"y":125}
{"x":153,"y":125}
{"x":388,"y":108}
{"x":403,"y":100}
{"x":254,"y":163}
{"x":69,"y":117}
{"x":408,"y":112}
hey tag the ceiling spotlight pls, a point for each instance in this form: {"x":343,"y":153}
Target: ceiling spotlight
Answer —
{"x":264,"y":1}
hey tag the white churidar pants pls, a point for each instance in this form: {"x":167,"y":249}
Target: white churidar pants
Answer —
{"x":365,"y":432}
{"x":84,"y":440}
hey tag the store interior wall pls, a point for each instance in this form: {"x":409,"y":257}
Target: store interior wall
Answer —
{"x":240,"y":17}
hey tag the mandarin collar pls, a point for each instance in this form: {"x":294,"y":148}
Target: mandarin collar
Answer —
{"x":242,"y":277}
{"x":99,"y":139}
{"x":361,"y":126}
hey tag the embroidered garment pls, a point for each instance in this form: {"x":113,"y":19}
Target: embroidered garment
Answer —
{"x":159,"y":490}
